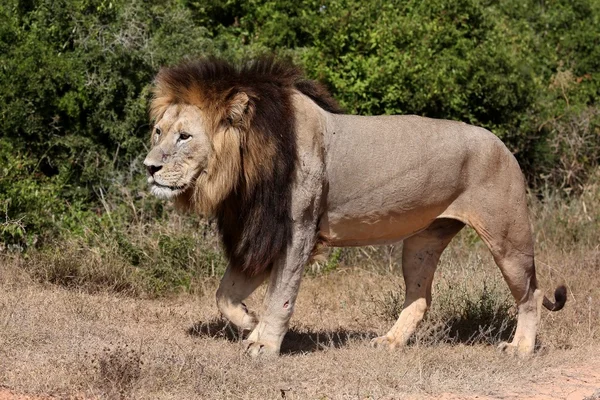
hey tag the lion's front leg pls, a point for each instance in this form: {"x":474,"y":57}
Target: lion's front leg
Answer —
{"x":288,"y":267}
{"x":280,"y":299}
{"x":235,"y":287}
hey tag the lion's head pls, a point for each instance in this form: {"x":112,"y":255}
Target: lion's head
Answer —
{"x":181,"y":149}
{"x":197,"y":137}
{"x":224,"y":144}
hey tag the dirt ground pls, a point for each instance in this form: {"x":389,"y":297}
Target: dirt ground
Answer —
{"x":66,"y":344}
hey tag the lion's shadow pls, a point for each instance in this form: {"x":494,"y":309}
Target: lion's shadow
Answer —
{"x":296,"y":341}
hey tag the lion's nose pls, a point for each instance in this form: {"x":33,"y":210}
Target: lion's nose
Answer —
{"x":152,"y":169}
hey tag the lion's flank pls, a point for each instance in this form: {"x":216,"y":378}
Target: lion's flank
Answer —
{"x":251,"y":122}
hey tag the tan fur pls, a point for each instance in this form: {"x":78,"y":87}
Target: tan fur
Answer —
{"x":392,"y":178}
{"x":360,"y":181}
{"x":223,"y":170}
{"x":224,"y":166}
{"x":227,"y":139}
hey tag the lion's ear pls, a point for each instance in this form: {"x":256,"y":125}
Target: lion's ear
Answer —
{"x":237,"y":109}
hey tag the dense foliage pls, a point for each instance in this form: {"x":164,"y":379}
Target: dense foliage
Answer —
{"x":75,"y":78}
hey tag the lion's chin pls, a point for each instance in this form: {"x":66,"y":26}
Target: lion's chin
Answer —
{"x":165,"y":192}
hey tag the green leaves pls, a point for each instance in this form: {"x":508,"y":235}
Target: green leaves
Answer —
{"x":74,"y":95}
{"x":75,"y":78}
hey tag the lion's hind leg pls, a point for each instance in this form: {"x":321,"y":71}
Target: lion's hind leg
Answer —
{"x":511,"y":244}
{"x":420,"y":256}
{"x":235,"y":287}
{"x":519,"y":272}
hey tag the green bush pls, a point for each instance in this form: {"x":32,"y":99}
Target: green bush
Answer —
{"x":75,"y":78}
{"x":75,"y":88}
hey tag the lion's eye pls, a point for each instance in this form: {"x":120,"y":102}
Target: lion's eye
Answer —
{"x":184,"y":136}
{"x":158,"y":131}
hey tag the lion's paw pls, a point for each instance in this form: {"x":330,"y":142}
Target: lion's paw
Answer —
{"x":383,"y":342}
{"x":258,"y":349}
{"x":514,"y":350}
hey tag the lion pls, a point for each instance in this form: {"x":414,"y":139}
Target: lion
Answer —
{"x":271,"y":156}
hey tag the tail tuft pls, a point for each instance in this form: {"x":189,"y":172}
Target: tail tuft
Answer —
{"x":560,"y":298}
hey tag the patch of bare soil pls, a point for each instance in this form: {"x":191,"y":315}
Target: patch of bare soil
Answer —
{"x":573,"y":382}
{"x":6,"y":394}
{"x":57,"y":343}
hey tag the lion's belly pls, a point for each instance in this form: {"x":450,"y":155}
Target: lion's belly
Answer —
{"x":376,"y":228}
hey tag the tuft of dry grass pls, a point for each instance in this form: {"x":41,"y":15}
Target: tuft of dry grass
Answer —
{"x":117,"y":370}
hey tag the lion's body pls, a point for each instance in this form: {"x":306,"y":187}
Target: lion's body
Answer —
{"x":353,"y":181}
{"x":390,"y":177}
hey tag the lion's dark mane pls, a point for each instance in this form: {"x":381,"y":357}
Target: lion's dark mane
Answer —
{"x":255,"y":220}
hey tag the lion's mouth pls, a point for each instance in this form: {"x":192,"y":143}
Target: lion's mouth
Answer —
{"x":168,"y":186}
{"x":165,"y":191}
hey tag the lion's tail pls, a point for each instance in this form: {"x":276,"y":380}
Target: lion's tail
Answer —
{"x":560,"y":298}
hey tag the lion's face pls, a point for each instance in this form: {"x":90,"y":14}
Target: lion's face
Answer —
{"x":181,"y":150}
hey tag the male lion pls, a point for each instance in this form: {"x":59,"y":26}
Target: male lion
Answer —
{"x":269,"y":154}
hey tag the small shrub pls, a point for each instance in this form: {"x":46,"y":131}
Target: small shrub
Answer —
{"x":72,"y":264}
{"x":390,"y":306}
{"x":488,"y":318}
{"x":117,"y":369}
{"x":470,"y":313}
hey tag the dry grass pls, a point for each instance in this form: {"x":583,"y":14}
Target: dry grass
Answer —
{"x":145,"y":258}
{"x":69,"y":341}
